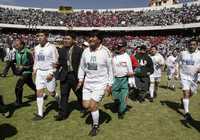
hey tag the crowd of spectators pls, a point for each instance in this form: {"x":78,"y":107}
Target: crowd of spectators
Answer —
{"x":165,"y":44}
{"x":163,"y":17}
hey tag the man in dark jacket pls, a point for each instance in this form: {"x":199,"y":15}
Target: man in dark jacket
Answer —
{"x":69,"y":60}
{"x":143,"y":72}
{"x":24,"y":65}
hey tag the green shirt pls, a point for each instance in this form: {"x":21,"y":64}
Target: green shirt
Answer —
{"x":24,"y":58}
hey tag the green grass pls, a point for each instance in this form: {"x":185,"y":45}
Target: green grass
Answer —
{"x":152,"y":121}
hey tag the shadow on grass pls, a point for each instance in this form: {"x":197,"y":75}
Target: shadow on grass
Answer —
{"x":103,"y":118}
{"x":7,"y":130}
{"x":173,"y":105}
{"x":176,"y":106}
{"x":193,"y":123}
{"x":12,"y":107}
{"x":53,"y":105}
{"x":166,"y":87}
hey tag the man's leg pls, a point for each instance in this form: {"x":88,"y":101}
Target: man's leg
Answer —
{"x":13,"y":67}
{"x":78,"y":92}
{"x":151,"y":90}
{"x":6,"y":69}
{"x":65,"y":91}
{"x":19,"y":91}
{"x":30,"y":83}
{"x":40,"y":102}
{"x":95,"y":117}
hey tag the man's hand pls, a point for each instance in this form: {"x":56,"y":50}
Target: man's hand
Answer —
{"x":79,"y":85}
{"x":49,"y":77}
{"x":108,"y":90}
{"x":34,"y":72}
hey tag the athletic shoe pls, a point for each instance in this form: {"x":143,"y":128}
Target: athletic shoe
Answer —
{"x":37,"y":117}
{"x":188,"y":117}
{"x":94,"y":131}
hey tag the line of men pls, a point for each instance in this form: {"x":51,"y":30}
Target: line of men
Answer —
{"x":96,"y":71}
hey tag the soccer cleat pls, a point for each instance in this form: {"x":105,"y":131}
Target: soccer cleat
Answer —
{"x":188,"y":117}
{"x":94,"y":131}
{"x":37,"y":117}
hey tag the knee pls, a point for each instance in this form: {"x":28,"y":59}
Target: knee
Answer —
{"x":93,"y":106}
{"x":39,"y":93}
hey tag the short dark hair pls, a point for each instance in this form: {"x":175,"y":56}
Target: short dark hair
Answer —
{"x":193,"y":39}
{"x":96,"y":33}
{"x":154,"y":47}
{"x":71,"y":34}
{"x":21,"y":40}
{"x":46,"y":33}
{"x":142,"y":47}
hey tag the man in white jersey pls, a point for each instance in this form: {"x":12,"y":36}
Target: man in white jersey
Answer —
{"x":171,"y":68}
{"x":96,"y":76}
{"x":189,"y":67}
{"x":122,"y":69}
{"x":45,"y":60}
{"x":158,"y":62}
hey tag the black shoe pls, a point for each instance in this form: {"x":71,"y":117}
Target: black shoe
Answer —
{"x":60,"y":117}
{"x":37,"y":117}
{"x":151,"y":100}
{"x":17,"y":104}
{"x":121,"y":116}
{"x":188,"y":117}
{"x":141,"y":100}
{"x":94,"y":131}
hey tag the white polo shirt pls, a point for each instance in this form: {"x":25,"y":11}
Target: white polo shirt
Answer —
{"x":96,"y":68}
{"x":122,"y":65}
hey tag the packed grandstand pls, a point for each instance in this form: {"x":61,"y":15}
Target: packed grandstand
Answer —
{"x":136,"y":25}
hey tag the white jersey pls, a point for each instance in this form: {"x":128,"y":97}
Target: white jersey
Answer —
{"x":189,"y":63}
{"x":171,"y":63}
{"x":158,"y":62}
{"x":10,"y":54}
{"x":122,"y":65}
{"x":45,"y":58}
{"x":96,"y":68}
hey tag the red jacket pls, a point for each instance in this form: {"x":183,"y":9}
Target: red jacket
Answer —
{"x":134,"y":61}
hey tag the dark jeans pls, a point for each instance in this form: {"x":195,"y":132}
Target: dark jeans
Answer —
{"x":7,"y":67}
{"x":65,"y":87}
{"x":24,"y":79}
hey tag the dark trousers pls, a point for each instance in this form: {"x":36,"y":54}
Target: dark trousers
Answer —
{"x":7,"y":67}
{"x":3,"y":108}
{"x":65,"y":87}
{"x":24,"y":79}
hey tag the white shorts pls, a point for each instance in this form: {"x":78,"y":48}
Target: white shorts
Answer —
{"x":95,"y":95}
{"x":41,"y":82}
{"x":189,"y":85}
{"x":170,"y":73}
{"x":154,"y":79}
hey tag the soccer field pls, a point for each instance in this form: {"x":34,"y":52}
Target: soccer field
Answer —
{"x":160,"y":120}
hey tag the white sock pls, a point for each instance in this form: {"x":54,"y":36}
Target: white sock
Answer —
{"x":186,"y":105}
{"x":40,"y":102}
{"x":151,"y":90}
{"x":168,"y":83}
{"x":95,"y":117}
